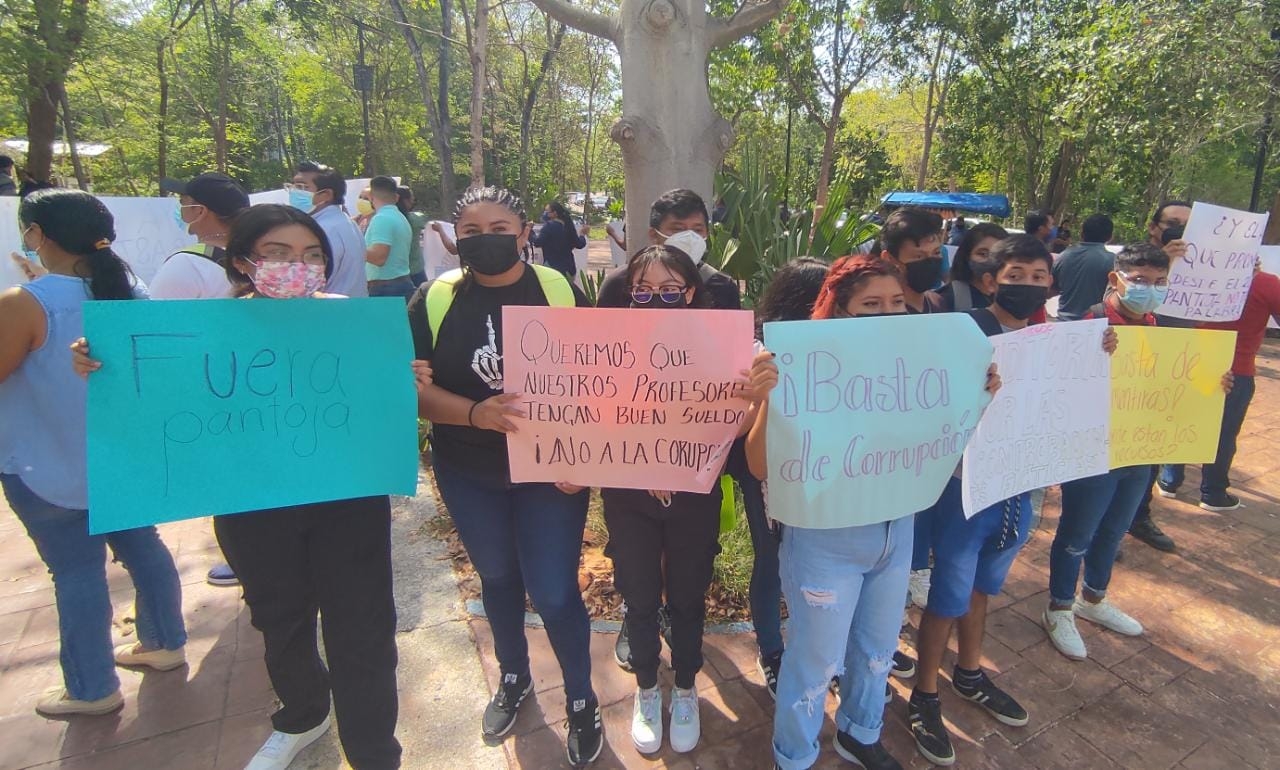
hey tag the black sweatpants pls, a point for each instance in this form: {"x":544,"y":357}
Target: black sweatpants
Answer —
{"x":641,"y":533}
{"x":333,"y":559}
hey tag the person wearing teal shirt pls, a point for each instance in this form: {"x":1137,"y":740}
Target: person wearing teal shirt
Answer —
{"x":418,"y":223}
{"x":386,"y":242}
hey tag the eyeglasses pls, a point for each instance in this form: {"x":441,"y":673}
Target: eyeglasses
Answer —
{"x":643,"y":295}
{"x":310,"y":257}
{"x":1138,"y":280}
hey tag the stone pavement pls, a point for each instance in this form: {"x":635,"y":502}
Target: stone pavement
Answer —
{"x":214,"y":713}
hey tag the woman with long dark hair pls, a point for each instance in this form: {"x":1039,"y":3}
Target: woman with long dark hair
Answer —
{"x":327,"y":559}
{"x":42,"y":456}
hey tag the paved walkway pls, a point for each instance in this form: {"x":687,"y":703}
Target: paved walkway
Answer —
{"x":1200,"y":690}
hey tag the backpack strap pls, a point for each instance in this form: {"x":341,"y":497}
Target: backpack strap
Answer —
{"x":963,"y":297}
{"x":555,"y":287}
{"x":440,"y":294}
{"x":441,"y":291}
{"x":986,"y":321}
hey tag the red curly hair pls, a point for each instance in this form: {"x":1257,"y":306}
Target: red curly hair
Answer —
{"x":847,"y":274}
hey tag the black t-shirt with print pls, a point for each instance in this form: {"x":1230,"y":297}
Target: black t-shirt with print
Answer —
{"x":724,"y":291}
{"x":467,"y":361}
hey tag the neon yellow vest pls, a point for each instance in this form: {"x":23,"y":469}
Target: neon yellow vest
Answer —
{"x":440,"y":293}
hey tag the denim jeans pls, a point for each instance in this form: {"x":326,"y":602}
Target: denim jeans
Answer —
{"x":395,"y":287}
{"x":77,"y":562}
{"x":844,"y":589}
{"x":1096,"y":513}
{"x":1214,"y":477}
{"x":526,"y":537}
{"x":766,"y":587}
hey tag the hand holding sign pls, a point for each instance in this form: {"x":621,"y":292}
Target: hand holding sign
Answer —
{"x":630,"y":399}
{"x":1210,"y":274}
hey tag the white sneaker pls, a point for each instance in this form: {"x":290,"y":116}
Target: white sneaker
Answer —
{"x":1061,"y":625}
{"x":918,"y":587}
{"x":1107,"y":615}
{"x":646,"y":720}
{"x":685,"y":727}
{"x":281,"y":748}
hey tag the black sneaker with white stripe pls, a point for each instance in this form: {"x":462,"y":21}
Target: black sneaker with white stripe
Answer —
{"x":984,"y":692}
{"x":500,"y":715}
{"x":770,"y":665}
{"x":871,"y":756}
{"x":586,"y":732}
{"x":932,"y":740}
{"x":903,"y":666}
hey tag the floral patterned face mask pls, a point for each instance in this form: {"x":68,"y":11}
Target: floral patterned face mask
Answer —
{"x":286,"y":280}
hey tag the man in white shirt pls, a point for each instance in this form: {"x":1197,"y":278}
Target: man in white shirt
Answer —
{"x":205,"y":206}
{"x":320,"y":191}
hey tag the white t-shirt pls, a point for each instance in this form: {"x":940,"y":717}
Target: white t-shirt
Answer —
{"x":347,"y":244}
{"x":190,"y":276}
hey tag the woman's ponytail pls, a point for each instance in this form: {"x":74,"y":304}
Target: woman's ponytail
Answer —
{"x":82,"y":225}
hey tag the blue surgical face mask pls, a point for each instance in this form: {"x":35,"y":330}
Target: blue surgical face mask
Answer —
{"x":31,"y":254}
{"x":1143,"y":299}
{"x":302,"y":200}
{"x":177,"y":217}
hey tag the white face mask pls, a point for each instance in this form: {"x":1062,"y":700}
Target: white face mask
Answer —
{"x":689,"y":242}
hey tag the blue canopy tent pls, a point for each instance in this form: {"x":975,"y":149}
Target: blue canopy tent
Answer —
{"x":976,"y":203}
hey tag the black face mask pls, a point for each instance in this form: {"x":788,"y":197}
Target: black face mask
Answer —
{"x":1021,"y":300}
{"x":489,"y":253}
{"x":924,"y":274}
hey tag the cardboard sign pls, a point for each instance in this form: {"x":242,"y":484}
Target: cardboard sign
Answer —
{"x":1049,"y":423}
{"x":629,"y":399}
{"x":1212,"y":281}
{"x":871,"y":415}
{"x":1166,"y":394}
{"x":146,"y":232}
{"x":221,"y":406}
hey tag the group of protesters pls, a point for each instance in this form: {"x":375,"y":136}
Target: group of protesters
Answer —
{"x":844,"y":589}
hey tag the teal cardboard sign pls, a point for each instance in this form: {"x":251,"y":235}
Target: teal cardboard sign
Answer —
{"x":871,"y":415}
{"x":210,"y":407}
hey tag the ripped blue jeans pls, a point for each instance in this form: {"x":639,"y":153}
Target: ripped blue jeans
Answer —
{"x":844,"y":590}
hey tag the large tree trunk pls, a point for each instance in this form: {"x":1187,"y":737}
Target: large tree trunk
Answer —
{"x":932,"y":108}
{"x":162,"y":115}
{"x":479,"y":83}
{"x":42,"y":127}
{"x":669,"y":134}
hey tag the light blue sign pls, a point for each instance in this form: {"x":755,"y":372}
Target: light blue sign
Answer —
{"x":871,"y":415}
{"x":223,"y":406}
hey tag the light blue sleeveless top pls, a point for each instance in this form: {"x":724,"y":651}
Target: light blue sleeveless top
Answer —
{"x":42,"y":404}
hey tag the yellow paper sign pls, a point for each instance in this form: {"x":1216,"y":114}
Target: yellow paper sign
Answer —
{"x":1166,"y":394}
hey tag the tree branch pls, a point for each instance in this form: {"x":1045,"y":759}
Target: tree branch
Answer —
{"x":749,"y":17}
{"x":581,"y":18}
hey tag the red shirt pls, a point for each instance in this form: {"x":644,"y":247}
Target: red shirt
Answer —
{"x":1262,"y":303}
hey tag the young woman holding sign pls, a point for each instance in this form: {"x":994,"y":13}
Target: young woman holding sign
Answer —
{"x":330,"y":558}
{"x":844,"y":587}
{"x":660,"y":539}
{"x":519,"y":537}
{"x":42,"y":456}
